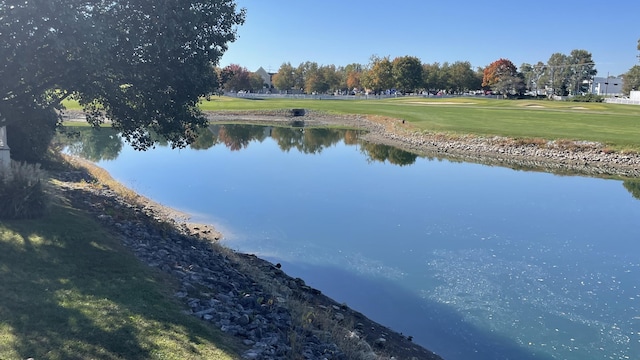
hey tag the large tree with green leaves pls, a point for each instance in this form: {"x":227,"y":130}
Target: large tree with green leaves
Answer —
{"x":532,"y":74}
{"x":432,"y":77}
{"x":143,"y":64}
{"x":581,"y":69}
{"x":407,"y":73}
{"x":462,"y":77}
{"x":557,"y":72}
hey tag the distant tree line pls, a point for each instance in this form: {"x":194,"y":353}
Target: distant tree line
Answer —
{"x":562,"y":74}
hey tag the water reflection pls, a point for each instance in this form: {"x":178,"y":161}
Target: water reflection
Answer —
{"x":633,"y":186}
{"x":378,"y":152}
{"x":106,"y":144}
{"x":89,"y":143}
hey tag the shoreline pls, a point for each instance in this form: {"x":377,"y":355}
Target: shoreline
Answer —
{"x":558,"y":157}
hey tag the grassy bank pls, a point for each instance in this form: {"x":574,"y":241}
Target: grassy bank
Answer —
{"x":70,"y":290}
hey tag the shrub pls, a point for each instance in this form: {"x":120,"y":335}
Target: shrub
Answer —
{"x":30,"y":137}
{"x":587,"y":98}
{"x":22,"y":192}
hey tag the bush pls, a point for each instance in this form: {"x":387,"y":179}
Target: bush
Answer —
{"x":30,"y":137}
{"x":587,"y":98}
{"x":22,"y":192}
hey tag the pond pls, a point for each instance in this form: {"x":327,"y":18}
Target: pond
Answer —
{"x":472,"y":261}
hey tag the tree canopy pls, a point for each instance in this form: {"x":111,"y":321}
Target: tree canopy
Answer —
{"x":380,"y":74}
{"x":144,"y":64}
{"x":407,"y":73}
{"x":631,"y":80}
{"x":502,"y":76}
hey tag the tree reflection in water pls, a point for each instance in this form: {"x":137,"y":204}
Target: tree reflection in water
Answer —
{"x":106,"y":144}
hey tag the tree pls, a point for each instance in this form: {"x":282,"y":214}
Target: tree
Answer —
{"x":556,"y":74}
{"x":407,"y":73}
{"x":431,"y":77}
{"x":528,"y":74}
{"x":313,"y":79}
{"x":379,"y":75}
{"x":256,"y":82}
{"x":581,"y":69}
{"x":143,"y":64}
{"x":462,"y":77}
{"x":444,"y":77}
{"x":353,"y":76}
{"x":353,"y":80}
{"x":631,"y":80}
{"x":235,"y":77}
{"x":331,"y":76}
{"x":284,"y":79}
{"x":502,"y":76}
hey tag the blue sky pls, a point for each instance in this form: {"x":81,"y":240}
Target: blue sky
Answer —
{"x":341,"y":32}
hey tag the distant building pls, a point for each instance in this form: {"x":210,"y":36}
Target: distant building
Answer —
{"x":607,"y":86}
{"x":266,"y":76}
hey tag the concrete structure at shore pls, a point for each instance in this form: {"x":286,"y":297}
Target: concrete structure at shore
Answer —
{"x":5,"y":157}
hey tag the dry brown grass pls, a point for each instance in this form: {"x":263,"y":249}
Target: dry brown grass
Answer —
{"x":539,"y":142}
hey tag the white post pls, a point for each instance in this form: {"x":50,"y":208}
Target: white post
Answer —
{"x":5,"y":158}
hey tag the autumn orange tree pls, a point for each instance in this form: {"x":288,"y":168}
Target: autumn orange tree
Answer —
{"x":235,"y":77}
{"x":502,"y":76}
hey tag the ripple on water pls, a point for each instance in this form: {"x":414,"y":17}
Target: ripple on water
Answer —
{"x":573,"y":306}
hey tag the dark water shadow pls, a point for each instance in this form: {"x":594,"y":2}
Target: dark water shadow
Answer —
{"x":432,"y":325}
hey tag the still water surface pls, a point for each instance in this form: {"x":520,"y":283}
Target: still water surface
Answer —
{"x":474,"y":262}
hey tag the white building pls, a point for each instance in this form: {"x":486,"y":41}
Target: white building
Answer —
{"x":266,"y":77}
{"x":607,"y":86}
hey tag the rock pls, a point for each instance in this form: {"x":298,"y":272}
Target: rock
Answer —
{"x":380,"y":342}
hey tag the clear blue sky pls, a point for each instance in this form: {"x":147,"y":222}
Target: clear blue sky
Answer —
{"x":341,"y":32}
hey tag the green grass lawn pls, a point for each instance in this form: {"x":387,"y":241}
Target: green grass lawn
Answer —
{"x":617,"y":126}
{"x":70,"y":290}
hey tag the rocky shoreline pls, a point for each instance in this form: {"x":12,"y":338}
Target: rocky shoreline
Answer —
{"x":561,"y":157}
{"x":274,"y":315}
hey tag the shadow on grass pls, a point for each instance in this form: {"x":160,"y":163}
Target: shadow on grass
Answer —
{"x":69,"y":290}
